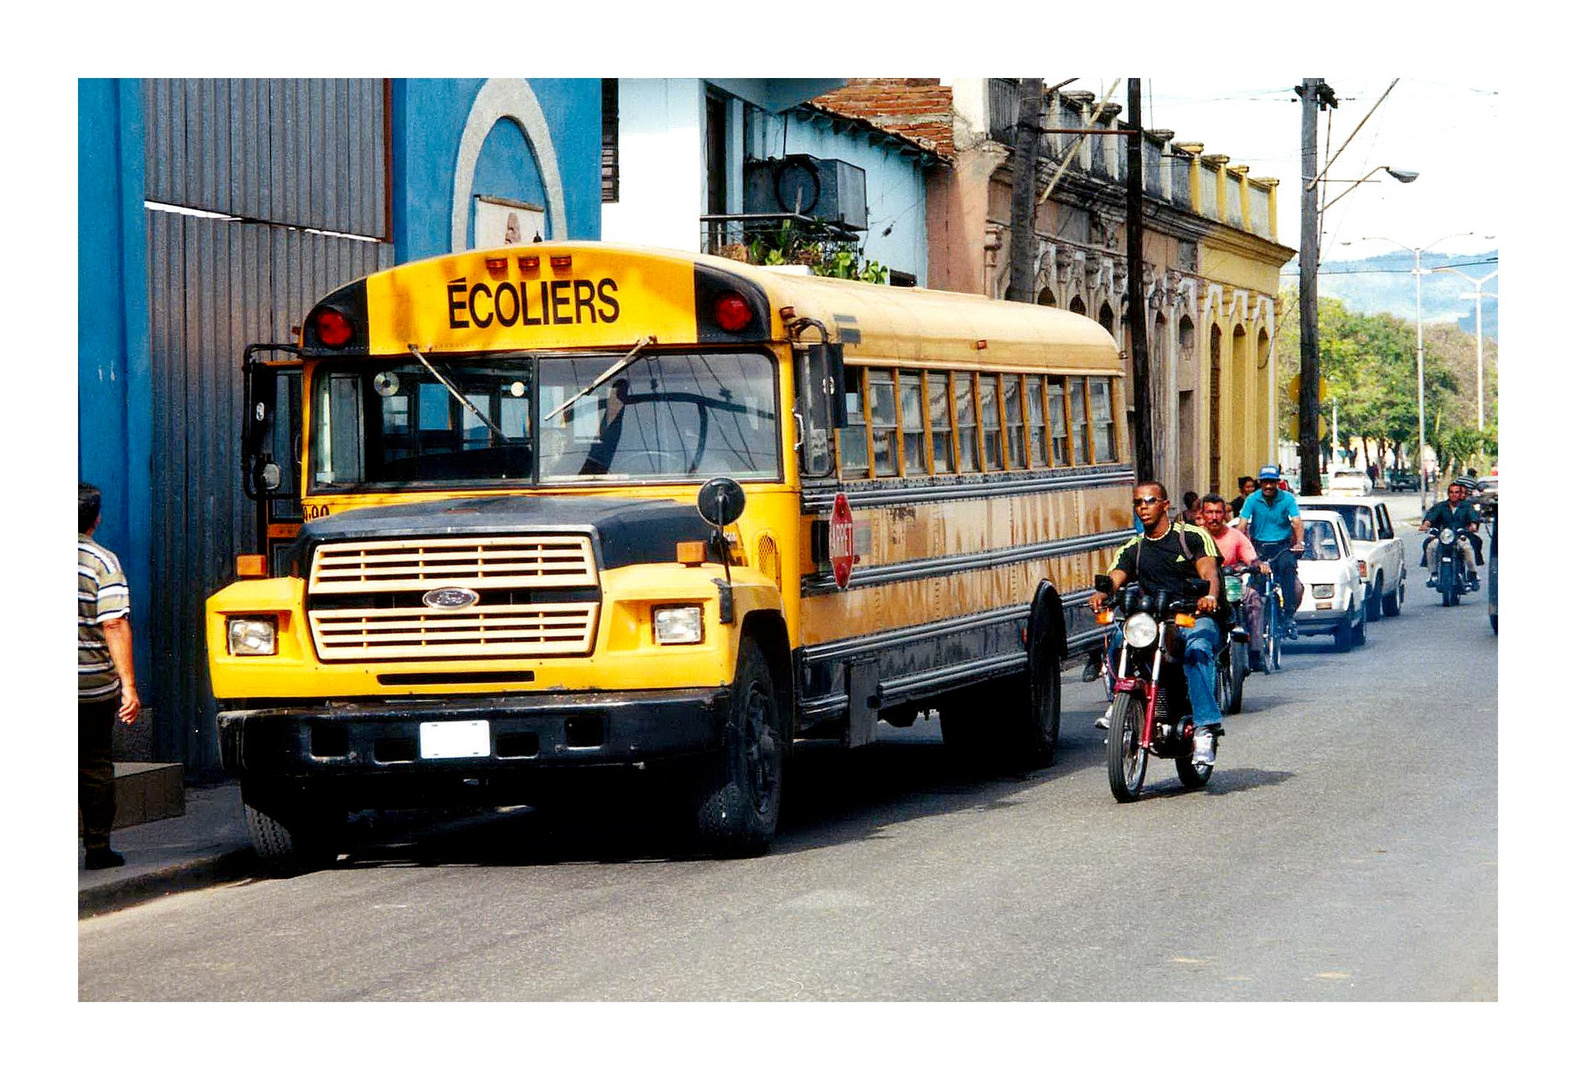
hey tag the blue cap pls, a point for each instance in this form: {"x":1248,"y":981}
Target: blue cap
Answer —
{"x":1270,"y":472}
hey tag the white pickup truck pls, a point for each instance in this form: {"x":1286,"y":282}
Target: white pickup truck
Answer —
{"x":1380,"y":556}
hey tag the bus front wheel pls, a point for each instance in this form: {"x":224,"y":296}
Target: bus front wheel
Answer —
{"x":741,"y":798}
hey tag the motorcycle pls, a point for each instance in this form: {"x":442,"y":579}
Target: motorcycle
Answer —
{"x":1452,"y":578}
{"x":1233,"y":659}
{"x":1150,"y":714}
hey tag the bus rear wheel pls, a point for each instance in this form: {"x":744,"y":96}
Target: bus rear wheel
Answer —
{"x":741,"y":798}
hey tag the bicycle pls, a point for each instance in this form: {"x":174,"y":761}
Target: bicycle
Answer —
{"x":1274,"y":618}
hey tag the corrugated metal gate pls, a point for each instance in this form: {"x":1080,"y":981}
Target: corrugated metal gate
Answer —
{"x":285,"y":157}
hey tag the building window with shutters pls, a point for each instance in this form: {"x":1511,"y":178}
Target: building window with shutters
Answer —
{"x":610,"y":140}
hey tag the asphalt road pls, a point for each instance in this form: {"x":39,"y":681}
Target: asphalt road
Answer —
{"x":1346,"y":850}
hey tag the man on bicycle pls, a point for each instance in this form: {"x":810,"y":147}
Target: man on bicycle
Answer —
{"x":1272,"y":521}
{"x":1237,"y":550}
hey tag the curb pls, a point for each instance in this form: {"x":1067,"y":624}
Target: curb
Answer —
{"x":195,"y":873}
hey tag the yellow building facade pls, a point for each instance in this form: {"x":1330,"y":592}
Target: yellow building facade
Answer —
{"x":1211,"y":266}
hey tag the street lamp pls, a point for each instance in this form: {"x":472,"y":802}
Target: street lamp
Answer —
{"x":1405,"y":176}
{"x":1477,"y":295}
{"x":1417,"y":274}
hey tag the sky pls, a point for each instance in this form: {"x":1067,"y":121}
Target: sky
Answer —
{"x":1435,"y":127}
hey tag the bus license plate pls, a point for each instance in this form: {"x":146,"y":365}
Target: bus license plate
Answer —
{"x":455,"y":739}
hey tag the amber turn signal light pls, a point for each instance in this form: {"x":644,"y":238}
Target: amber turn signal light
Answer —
{"x":251,"y":566}
{"x":692,"y":552}
{"x":1103,"y":618}
{"x":1186,"y":620}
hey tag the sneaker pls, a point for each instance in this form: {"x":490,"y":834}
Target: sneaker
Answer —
{"x":103,"y":859}
{"x":1104,"y":722}
{"x":1291,"y":629}
{"x":1203,"y":746}
{"x":1093,"y":667}
{"x":1433,"y":582}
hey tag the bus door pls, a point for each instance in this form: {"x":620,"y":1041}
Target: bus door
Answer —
{"x":271,"y":450}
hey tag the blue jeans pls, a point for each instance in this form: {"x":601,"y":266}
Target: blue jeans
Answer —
{"x":1200,"y":644}
{"x":1284,"y":564}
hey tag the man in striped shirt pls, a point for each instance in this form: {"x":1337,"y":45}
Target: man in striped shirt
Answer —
{"x":106,"y":684}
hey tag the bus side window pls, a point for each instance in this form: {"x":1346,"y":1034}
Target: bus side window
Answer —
{"x":1080,"y":420}
{"x":1034,"y":390}
{"x":1012,"y":409}
{"x":963,"y":403}
{"x":883,"y":422}
{"x":1101,"y":419}
{"x":939,"y":406}
{"x":1059,"y":423}
{"x":853,"y":448}
{"x":990,"y":420}
{"x":912,"y":414}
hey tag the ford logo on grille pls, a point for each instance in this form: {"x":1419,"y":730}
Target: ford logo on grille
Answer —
{"x":450,"y":599}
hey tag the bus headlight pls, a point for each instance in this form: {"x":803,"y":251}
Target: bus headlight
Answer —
{"x":1140,"y":630}
{"x":253,"y":635}
{"x":677,"y":625}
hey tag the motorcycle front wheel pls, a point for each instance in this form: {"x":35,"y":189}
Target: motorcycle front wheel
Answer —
{"x":1126,"y":758}
{"x":1447,"y":582}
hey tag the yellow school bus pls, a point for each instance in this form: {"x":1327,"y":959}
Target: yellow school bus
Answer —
{"x":571,"y":507}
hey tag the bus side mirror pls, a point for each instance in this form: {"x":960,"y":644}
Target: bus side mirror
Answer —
{"x":822,"y":406}
{"x":260,"y":473}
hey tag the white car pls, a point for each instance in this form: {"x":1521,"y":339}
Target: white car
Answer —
{"x":1334,"y":598}
{"x":1381,"y":558}
{"x":1349,"y":482}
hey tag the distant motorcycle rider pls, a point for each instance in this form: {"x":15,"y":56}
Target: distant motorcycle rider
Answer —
{"x":1272,"y":521}
{"x":1164,"y":557}
{"x":1451,"y":512}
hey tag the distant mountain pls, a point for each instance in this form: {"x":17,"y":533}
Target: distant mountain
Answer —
{"x":1384,"y":283}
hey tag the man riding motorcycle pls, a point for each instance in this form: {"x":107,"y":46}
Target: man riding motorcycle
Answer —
{"x":1165,"y":556}
{"x":1273,"y":523}
{"x":1237,"y":550}
{"x":1452,"y":512}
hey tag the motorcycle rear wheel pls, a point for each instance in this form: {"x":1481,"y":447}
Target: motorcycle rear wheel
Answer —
{"x":1125,"y":758}
{"x":1193,"y":776}
{"x":1239,"y":673}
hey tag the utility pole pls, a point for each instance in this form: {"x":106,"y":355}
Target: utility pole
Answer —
{"x":1143,"y":435}
{"x":1316,"y":95}
{"x":1026,"y":159}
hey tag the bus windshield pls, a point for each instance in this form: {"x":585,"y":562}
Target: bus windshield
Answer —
{"x":481,"y":420}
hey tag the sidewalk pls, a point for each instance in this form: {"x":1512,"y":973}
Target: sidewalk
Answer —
{"x":206,"y":845}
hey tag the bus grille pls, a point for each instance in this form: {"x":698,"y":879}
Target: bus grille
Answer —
{"x":481,"y":631}
{"x":370,"y":592}
{"x":485,"y":562}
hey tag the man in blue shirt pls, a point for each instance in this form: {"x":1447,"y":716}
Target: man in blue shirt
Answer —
{"x":1272,"y":521}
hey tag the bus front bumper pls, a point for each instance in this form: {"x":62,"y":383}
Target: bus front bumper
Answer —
{"x":375,"y":753}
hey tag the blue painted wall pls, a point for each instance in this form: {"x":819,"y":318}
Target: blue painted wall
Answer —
{"x":114,"y":421}
{"x":428,"y":119}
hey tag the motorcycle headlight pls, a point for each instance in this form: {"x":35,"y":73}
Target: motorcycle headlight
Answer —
{"x":1447,"y":536}
{"x":253,"y":635}
{"x":677,"y":625}
{"x":1141,"y":630}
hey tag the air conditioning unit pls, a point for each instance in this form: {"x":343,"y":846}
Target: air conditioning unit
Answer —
{"x":824,"y":188}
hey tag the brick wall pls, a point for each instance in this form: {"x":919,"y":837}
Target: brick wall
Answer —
{"x":918,"y":109}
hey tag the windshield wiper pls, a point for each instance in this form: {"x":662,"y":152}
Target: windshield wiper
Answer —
{"x":456,"y":395}
{"x":619,"y":365}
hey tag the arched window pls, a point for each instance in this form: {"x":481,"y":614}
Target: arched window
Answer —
{"x":1077,"y":306}
{"x":1046,"y":298}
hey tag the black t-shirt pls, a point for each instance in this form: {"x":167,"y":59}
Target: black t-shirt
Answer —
{"x":1162,"y":564}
